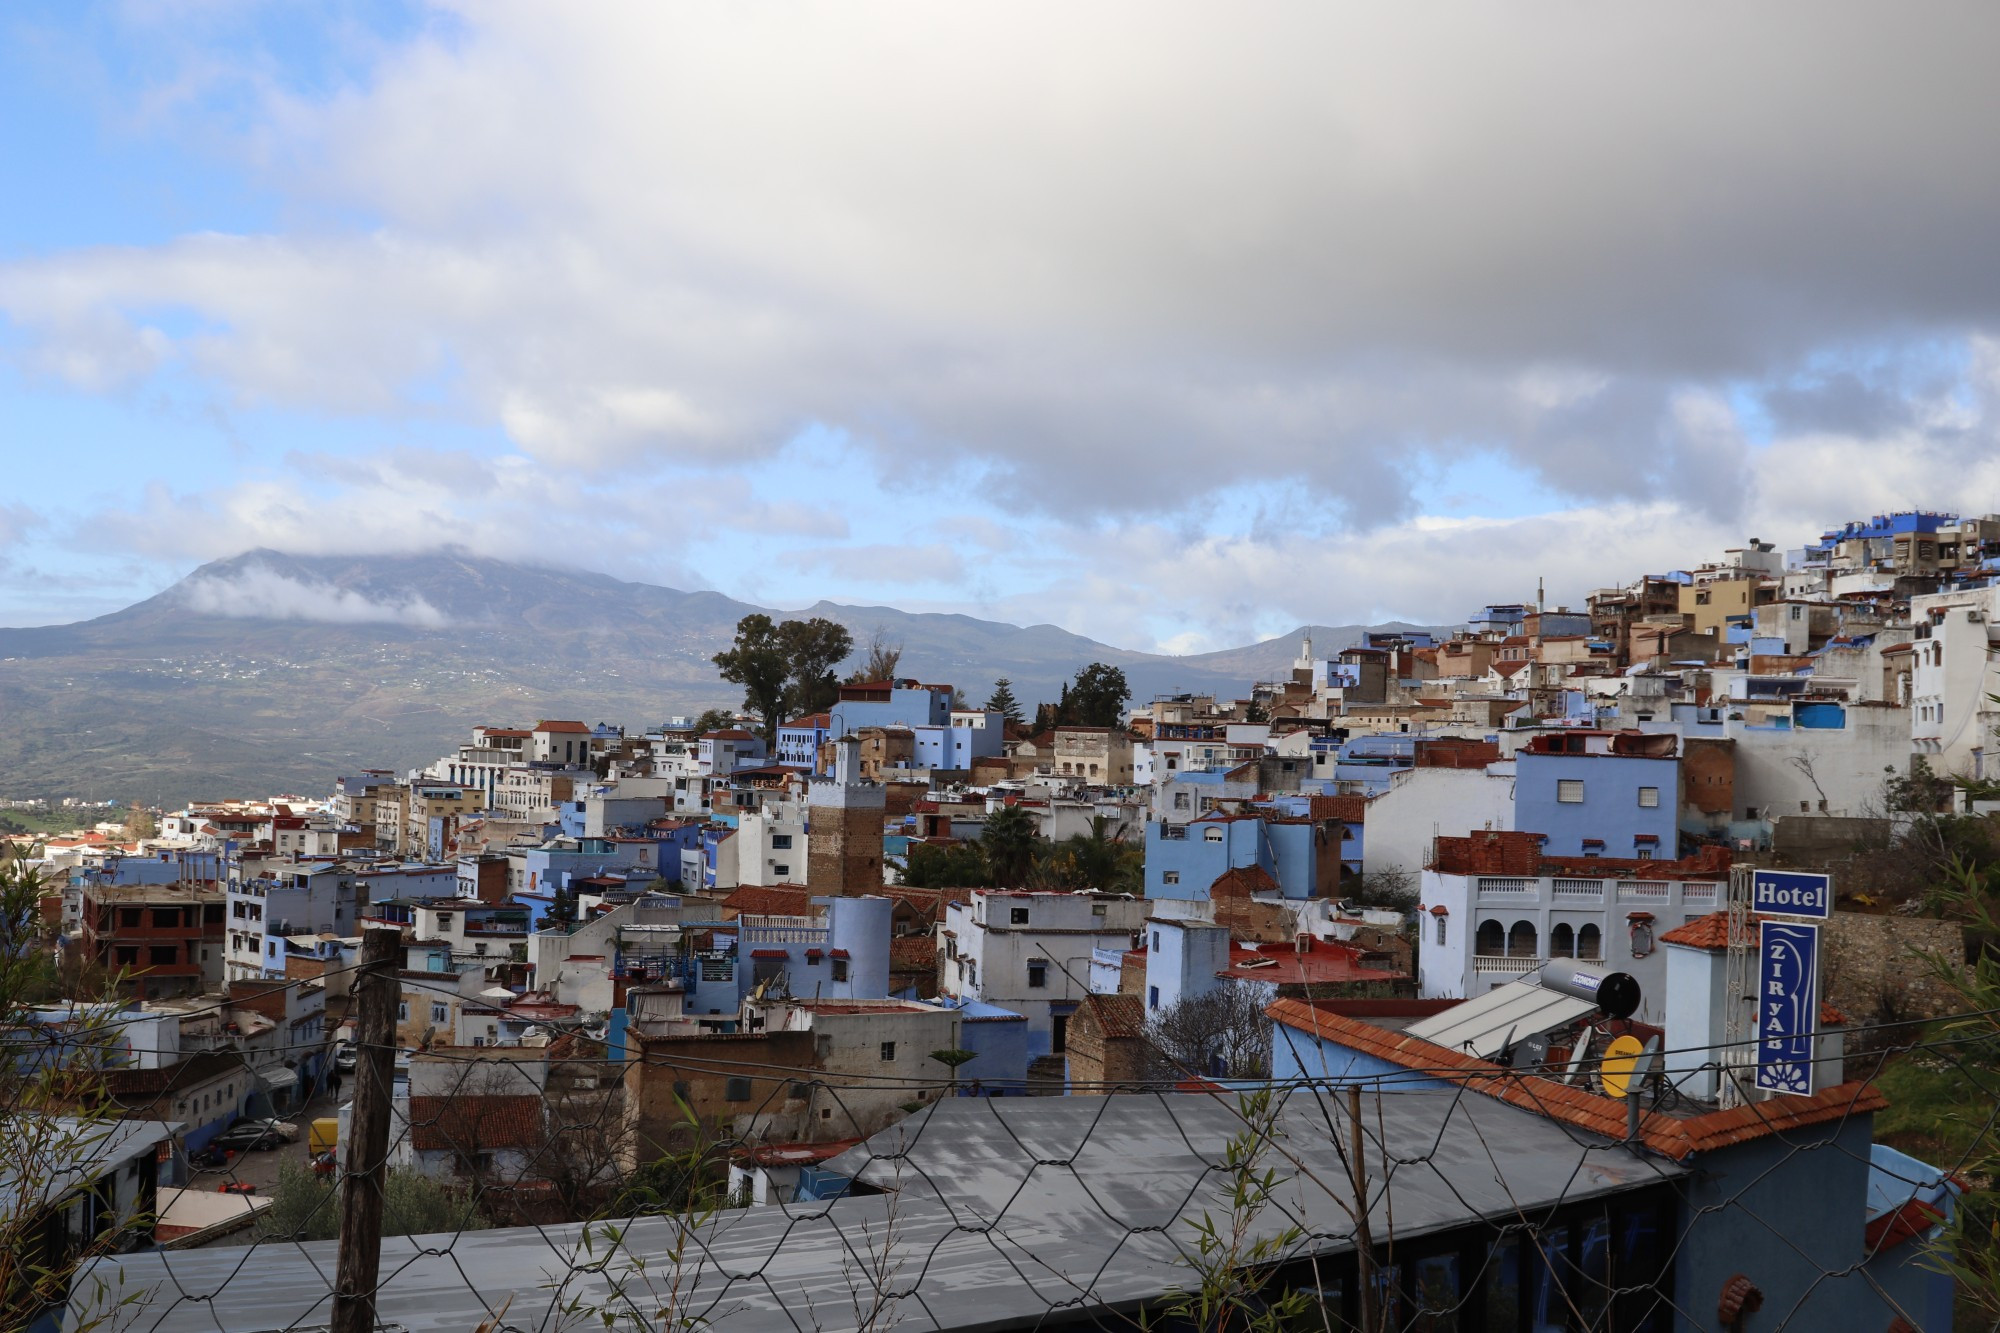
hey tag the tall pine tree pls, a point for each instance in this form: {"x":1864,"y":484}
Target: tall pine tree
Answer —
{"x":1003,"y":701}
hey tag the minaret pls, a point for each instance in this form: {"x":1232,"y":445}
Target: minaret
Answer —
{"x":844,"y":841}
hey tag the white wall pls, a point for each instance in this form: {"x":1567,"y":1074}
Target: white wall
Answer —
{"x":1424,"y":803}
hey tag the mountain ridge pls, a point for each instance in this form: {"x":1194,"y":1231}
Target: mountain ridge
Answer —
{"x":271,"y":671}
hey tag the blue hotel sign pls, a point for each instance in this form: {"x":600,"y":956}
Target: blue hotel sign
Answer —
{"x":1787,"y":1005}
{"x":1785,"y":893}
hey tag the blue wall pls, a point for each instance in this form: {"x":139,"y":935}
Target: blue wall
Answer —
{"x":1300,"y":1055}
{"x":1610,"y":810}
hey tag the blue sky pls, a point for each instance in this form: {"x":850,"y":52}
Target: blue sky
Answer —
{"x":1177,"y":332}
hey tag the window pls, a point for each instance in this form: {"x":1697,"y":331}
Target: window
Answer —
{"x":479,"y":1041}
{"x":1017,"y":915}
{"x":1569,"y":791}
{"x":166,"y":918}
{"x":1440,"y":922}
{"x":1589,"y":943}
{"x":444,"y":920}
{"x":781,"y":869}
{"x":1180,"y":800}
{"x":1644,"y":854}
{"x":1156,"y":941}
{"x":1097,"y":909}
{"x":736,"y":1090}
{"x":403,"y":1012}
{"x":888,"y":1050}
{"x":1038,"y":974}
{"x":1170,"y":877}
{"x":440,"y":1014}
{"x":1212,"y":834}
{"x":781,"y":842}
{"x":126,"y":953}
{"x":1649,"y":798}
{"x":840,"y":969}
{"x":129,"y":916}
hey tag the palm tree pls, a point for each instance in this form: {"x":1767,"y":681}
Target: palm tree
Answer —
{"x":1009,"y":840}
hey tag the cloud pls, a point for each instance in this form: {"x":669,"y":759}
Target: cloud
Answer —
{"x":1094,"y":259}
{"x":258,"y":593}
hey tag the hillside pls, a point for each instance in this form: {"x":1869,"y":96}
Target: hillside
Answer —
{"x":270,"y":672}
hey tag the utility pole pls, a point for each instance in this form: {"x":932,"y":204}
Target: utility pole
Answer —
{"x":1364,"y":1244}
{"x":375,"y":992}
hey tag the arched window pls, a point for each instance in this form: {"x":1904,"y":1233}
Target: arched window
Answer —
{"x":1491,"y":941}
{"x":1562,"y":942}
{"x":1522,"y":941}
{"x":1441,"y":921}
{"x":1590,"y":943}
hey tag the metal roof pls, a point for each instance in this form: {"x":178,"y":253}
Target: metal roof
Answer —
{"x":1482,"y":1025}
{"x":1006,"y":1211}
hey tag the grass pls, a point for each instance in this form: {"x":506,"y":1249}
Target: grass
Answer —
{"x":1941,"y":1105}
{"x":56,"y":820}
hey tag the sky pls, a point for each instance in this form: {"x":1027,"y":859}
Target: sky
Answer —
{"x":1174,"y":324}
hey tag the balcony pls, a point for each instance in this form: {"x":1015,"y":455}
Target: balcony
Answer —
{"x":1655,"y":891}
{"x":1510,"y":889}
{"x":1578,"y":890}
{"x":1701,"y":894}
{"x":1483,"y":965}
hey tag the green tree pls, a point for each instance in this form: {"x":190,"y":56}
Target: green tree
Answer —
{"x":813,"y":648}
{"x":758,"y":663}
{"x":715,"y":719}
{"x":141,"y":823}
{"x":57,"y":1113}
{"x":304,"y":1206}
{"x":1099,"y":859}
{"x":1002,"y":700}
{"x":952,"y":865}
{"x":1097,"y":697}
{"x":1010,"y":840}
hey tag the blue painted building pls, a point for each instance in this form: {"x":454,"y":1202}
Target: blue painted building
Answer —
{"x":1184,"y":860}
{"x":800,"y":739}
{"x":881,"y":704}
{"x":1595,"y":793}
{"x":999,"y":1040}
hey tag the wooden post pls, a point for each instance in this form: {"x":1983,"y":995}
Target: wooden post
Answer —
{"x":375,"y":991}
{"x":1364,"y":1244}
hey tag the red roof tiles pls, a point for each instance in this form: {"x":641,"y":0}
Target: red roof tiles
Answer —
{"x":474,"y":1123}
{"x":1677,"y":1137}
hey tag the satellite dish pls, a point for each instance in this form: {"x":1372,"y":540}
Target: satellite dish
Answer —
{"x":1620,"y":1059}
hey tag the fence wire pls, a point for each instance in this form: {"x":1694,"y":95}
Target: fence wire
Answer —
{"x":1087,"y":1210}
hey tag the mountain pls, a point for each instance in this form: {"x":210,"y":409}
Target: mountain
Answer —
{"x":272,"y":672}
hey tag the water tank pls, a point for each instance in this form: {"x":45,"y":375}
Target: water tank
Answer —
{"x":1616,"y":993}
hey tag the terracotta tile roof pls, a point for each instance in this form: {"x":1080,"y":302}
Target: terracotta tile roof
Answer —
{"x":469,"y":1124}
{"x":560,"y":726}
{"x":1117,"y":1016}
{"x":1675,"y":1137}
{"x":759,"y":900}
{"x":1347,"y":809}
{"x":1704,"y":932}
{"x":1242,"y":882}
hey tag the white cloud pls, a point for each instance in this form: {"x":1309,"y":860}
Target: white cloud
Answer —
{"x":257,"y":593}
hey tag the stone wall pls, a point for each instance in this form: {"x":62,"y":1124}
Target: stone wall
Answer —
{"x":1872,"y":971}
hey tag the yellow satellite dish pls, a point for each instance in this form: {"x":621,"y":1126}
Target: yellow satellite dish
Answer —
{"x":1619,"y":1058}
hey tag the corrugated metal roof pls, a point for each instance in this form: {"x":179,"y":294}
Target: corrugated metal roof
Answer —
{"x":1481,"y":1025}
{"x":981,"y":1233}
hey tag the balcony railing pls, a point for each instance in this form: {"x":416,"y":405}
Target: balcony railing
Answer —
{"x":1580,"y":890}
{"x":1701,"y":893}
{"x":1512,"y":967}
{"x":1507,"y":888}
{"x":1644,"y":890}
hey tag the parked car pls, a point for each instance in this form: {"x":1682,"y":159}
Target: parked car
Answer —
{"x":254,"y":1136}
{"x":343,"y":1057}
